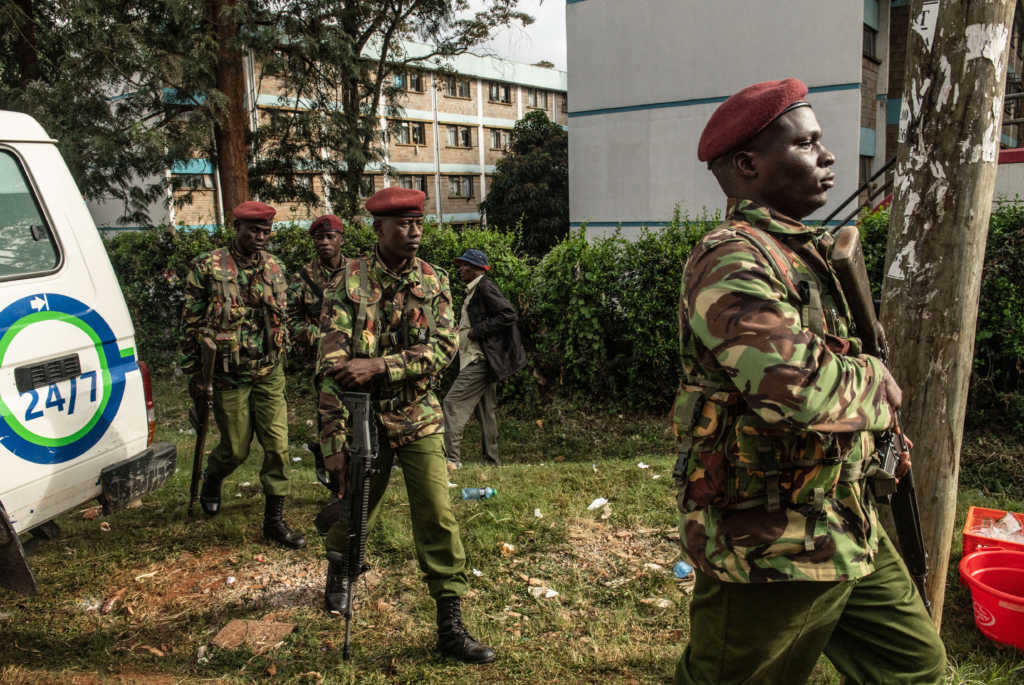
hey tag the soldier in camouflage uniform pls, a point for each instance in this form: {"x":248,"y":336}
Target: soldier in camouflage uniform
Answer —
{"x":307,"y":289}
{"x":775,"y":414}
{"x":389,"y":329}
{"x":236,"y":297}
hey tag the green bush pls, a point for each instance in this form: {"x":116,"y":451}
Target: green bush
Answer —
{"x":603,"y":315}
{"x":997,"y":381}
{"x":598,"y":317}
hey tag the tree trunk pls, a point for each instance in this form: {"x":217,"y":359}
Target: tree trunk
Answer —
{"x":25,"y":43}
{"x":949,"y":141}
{"x":230,"y":121}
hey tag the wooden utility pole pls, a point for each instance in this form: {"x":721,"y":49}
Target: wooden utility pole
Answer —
{"x":949,"y":143}
{"x":230,"y":120}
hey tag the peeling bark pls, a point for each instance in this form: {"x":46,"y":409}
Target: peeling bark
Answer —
{"x":945,"y":177}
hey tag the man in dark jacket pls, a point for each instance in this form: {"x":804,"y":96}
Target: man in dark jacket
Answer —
{"x":490,"y":350}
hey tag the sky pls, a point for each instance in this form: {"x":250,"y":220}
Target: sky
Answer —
{"x":544,"y":39}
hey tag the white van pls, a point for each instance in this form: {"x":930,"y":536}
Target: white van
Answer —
{"x":76,"y":407}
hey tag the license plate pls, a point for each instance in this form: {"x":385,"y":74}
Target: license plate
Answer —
{"x":135,"y":477}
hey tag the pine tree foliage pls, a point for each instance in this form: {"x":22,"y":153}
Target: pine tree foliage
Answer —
{"x":530,"y":187}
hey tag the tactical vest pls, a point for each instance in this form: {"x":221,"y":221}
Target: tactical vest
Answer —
{"x":371,"y":330}
{"x":238,"y":323}
{"x":732,"y":459}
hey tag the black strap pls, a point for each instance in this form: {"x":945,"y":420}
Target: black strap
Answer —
{"x":315,"y":287}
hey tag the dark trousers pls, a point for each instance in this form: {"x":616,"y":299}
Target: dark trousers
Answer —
{"x":473,"y":393}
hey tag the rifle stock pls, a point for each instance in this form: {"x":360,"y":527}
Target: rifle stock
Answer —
{"x":847,"y":259}
{"x":199,"y":414}
{"x":354,"y":507}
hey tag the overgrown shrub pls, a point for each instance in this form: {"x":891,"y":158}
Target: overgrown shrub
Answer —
{"x":603,"y":318}
{"x":598,"y":317}
{"x":997,"y":381}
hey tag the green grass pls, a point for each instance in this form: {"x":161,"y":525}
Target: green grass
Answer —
{"x":598,"y":629}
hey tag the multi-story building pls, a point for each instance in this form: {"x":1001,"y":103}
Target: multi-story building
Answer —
{"x":647,"y":76}
{"x":455,"y":126}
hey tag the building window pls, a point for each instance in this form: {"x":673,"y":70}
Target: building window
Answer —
{"x":411,"y":133}
{"x":499,"y":139}
{"x":1016,"y":35}
{"x":537,"y":98}
{"x":870,"y":49}
{"x":864,"y":170}
{"x":414,"y":183}
{"x":460,"y":136}
{"x":565,"y":104}
{"x":460,"y":186}
{"x":366,"y":185}
{"x":499,"y":92}
{"x":192,"y":181}
{"x":411,"y":81}
{"x":303,"y":182}
{"x":455,"y":87}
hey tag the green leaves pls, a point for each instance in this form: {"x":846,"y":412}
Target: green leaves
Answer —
{"x":530,"y":189}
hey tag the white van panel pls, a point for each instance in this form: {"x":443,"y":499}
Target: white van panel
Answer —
{"x":55,"y":439}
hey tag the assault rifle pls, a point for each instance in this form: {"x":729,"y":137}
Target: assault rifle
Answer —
{"x":354,"y":507}
{"x":199,"y":414}
{"x":848,"y":261}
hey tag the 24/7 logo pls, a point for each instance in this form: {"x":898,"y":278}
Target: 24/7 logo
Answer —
{"x":60,"y":421}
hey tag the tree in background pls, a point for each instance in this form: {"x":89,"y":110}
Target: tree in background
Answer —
{"x":345,"y":65}
{"x":128,"y":89}
{"x":531,"y":184}
{"x":107,"y":80}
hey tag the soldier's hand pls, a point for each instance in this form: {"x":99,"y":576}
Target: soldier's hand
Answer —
{"x":356,"y":372}
{"x":337,"y":465}
{"x":893,"y":394}
{"x":195,"y":389}
{"x":903,"y":467}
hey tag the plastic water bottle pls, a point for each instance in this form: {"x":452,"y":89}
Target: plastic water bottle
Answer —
{"x":478,"y":493}
{"x":682,"y":570}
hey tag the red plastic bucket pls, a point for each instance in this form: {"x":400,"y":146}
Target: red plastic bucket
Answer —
{"x":996,"y":580}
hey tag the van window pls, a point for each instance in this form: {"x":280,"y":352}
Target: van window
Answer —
{"x":26,"y":243}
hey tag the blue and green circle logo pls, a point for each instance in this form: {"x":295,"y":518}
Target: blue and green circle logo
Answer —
{"x":55,"y":423}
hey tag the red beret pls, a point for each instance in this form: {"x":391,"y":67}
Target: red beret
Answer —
{"x":254,"y":211}
{"x":326,"y":224}
{"x":746,"y":114}
{"x":395,"y":201}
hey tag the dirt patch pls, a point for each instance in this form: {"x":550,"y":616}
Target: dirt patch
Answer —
{"x":218,"y":578}
{"x":24,"y":676}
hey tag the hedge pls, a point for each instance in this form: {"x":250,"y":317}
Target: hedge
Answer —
{"x":598,"y":317}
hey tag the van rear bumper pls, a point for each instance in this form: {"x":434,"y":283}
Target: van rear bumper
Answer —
{"x":136,"y":476}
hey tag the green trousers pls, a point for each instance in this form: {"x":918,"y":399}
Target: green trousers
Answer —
{"x":258,"y":407}
{"x":875,"y":630}
{"x":435,"y":533}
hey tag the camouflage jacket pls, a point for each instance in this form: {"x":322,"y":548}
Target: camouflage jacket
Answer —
{"x":306,"y":293}
{"x":241,"y":306}
{"x":407,"y":319}
{"x":775,"y":408}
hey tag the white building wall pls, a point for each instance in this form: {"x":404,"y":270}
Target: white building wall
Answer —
{"x":647,"y":74}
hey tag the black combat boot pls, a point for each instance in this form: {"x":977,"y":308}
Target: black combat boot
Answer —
{"x":452,"y":637}
{"x":209,"y":496}
{"x":336,"y":591}
{"x":274,"y":527}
